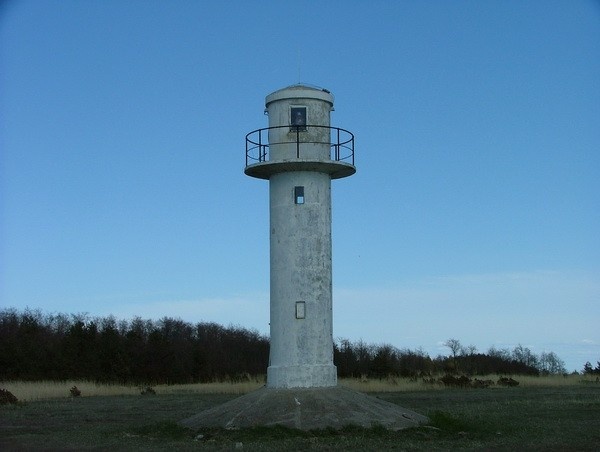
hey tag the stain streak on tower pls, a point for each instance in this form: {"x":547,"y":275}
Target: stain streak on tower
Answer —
{"x":299,"y":153}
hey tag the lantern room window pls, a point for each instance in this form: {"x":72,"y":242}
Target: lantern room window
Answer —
{"x":298,"y":119}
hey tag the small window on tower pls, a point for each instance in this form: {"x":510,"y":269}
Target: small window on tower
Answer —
{"x":300,"y":310}
{"x":298,"y":118}
{"x":299,"y":195}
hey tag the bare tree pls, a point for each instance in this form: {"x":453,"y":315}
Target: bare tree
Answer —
{"x":550,"y":363}
{"x":525,"y":356}
{"x":455,"y":348}
{"x":469,"y":350}
{"x":502,"y":353}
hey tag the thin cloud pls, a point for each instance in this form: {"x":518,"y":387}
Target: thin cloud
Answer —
{"x":250,"y":312}
{"x":540,"y":308}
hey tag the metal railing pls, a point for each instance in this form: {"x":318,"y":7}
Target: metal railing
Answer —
{"x":341,"y":142}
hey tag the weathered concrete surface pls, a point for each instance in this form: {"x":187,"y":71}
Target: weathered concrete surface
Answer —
{"x":306,"y":409}
{"x":301,"y":349}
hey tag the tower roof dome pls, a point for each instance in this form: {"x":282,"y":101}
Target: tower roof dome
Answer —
{"x":300,"y":91}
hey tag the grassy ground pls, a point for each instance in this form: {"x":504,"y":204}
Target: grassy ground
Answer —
{"x":551,"y":417}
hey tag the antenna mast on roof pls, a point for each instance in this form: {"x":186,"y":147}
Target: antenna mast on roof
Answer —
{"x":298,"y":63}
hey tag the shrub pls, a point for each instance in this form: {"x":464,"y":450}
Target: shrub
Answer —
{"x":148,"y":391}
{"x":506,"y":381}
{"x":460,"y":382}
{"x":6,"y":397}
{"x":477,"y":383}
{"x":75,"y":392}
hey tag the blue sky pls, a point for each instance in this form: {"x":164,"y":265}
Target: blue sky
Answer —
{"x":474,"y":213}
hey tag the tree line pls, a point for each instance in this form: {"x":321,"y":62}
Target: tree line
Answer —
{"x":34,"y":346}
{"x":37,"y":346}
{"x":589,"y":370}
{"x":359,"y":359}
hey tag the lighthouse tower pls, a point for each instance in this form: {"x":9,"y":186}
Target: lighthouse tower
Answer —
{"x":299,"y":154}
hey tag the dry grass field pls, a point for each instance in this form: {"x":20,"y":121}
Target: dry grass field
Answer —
{"x":28,"y":391}
{"x":539,"y":414}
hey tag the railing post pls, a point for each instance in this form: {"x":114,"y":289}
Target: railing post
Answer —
{"x":297,"y":142}
{"x":337,"y":148}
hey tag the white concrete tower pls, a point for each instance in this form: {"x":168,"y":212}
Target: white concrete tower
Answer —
{"x":299,"y":153}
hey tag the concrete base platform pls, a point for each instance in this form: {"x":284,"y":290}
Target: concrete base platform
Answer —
{"x":306,"y":409}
